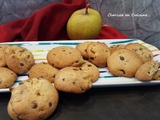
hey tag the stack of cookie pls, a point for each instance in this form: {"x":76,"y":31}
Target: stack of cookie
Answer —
{"x":75,"y":75}
{"x":34,"y":98}
{"x":14,"y":60}
{"x":122,"y":60}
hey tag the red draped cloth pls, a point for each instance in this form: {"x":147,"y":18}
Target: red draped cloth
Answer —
{"x":49,"y":23}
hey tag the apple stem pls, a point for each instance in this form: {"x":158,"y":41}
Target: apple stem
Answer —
{"x":86,"y":12}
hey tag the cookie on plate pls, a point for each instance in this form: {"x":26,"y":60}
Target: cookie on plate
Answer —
{"x":91,"y":69}
{"x":82,"y":47}
{"x":156,"y":76}
{"x":7,"y":77}
{"x":72,"y":80}
{"x":144,"y":53}
{"x":98,"y":53}
{"x":64,"y":56}
{"x":115,"y":47}
{"x":124,"y":62}
{"x":43,"y":70}
{"x":34,"y":99}
{"x":2,"y":57}
{"x":147,"y":71}
{"x":18,"y":59}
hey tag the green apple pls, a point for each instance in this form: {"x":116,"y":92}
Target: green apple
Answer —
{"x":84,"y":24}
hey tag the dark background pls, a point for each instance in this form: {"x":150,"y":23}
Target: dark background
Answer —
{"x":112,"y":103}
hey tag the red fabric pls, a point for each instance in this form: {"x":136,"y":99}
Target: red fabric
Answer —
{"x":49,"y":23}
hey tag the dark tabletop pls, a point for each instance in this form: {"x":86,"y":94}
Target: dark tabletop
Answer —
{"x":108,"y":103}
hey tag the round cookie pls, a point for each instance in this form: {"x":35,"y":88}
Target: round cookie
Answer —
{"x":34,"y":99}
{"x":98,"y":53}
{"x":18,"y":59}
{"x":43,"y":70}
{"x":115,"y":47}
{"x":64,"y":56}
{"x":124,"y":62}
{"x":2,"y":58}
{"x":144,"y":53}
{"x":156,"y":76}
{"x":91,"y":69}
{"x":82,"y":48}
{"x":147,"y":71}
{"x":72,"y":80}
{"x":7,"y":77}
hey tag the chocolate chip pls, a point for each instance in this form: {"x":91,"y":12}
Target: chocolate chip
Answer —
{"x":20,"y":83}
{"x":54,"y":76}
{"x":28,"y":56}
{"x":0,"y":82}
{"x":63,"y":79}
{"x":75,"y":69}
{"x":140,"y":48}
{"x":93,"y":51}
{"x":21,"y":64}
{"x":89,"y":65}
{"x":121,"y":58}
{"x":91,"y":58}
{"x":123,"y":72}
{"x":50,"y":104}
{"x":34,"y":105}
{"x":73,"y":83}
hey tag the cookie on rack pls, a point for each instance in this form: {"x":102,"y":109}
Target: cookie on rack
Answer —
{"x":98,"y":53}
{"x":82,"y":47}
{"x":34,"y":98}
{"x":72,"y":80}
{"x":43,"y":70}
{"x":7,"y":77}
{"x":124,"y":62}
{"x":18,"y":59}
{"x":146,"y":71}
{"x":144,"y":53}
{"x":64,"y":56}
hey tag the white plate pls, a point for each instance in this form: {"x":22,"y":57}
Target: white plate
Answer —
{"x":40,"y":50}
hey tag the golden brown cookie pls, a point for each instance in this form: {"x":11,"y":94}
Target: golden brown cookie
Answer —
{"x":2,"y":58}
{"x":98,"y":53}
{"x":43,"y":70}
{"x":156,"y":76}
{"x":18,"y":59}
{"x":34,"y":99}
{"x":7,"y":77}
{"x":147,"y":71}
{"x":124,"y":62}
{"x":72,"y":80}
{"x":64,"y":56}
{"x":115,"y":47}
{"x":91,"y":69}
{"x":144,"y":53}
{"x":82,"y":47}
